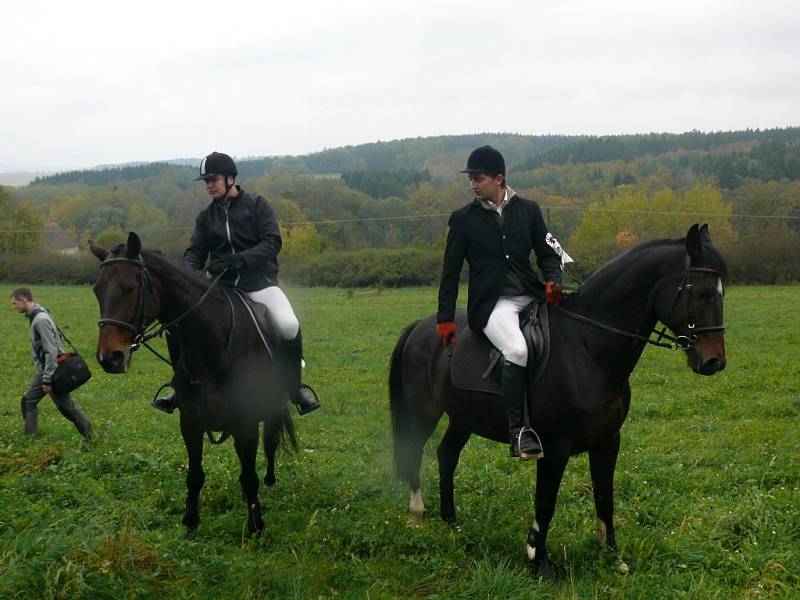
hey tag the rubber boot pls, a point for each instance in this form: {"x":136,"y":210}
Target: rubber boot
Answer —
{"x":303,"y":396}
{"x":524,"y":441}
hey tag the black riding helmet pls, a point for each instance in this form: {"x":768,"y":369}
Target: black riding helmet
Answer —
{"x":218,"y":163}
{"x":215,"y":164}
{"x":485,"y":160}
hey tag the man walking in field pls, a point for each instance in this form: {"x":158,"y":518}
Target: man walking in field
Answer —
{"x":496,"y":233}
{"x":46,"y":346}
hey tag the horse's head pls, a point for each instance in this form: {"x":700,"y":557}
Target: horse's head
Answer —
{"x":694,"y":312}
{"x":127,"y":302}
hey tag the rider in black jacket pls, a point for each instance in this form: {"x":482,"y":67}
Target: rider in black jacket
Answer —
{"x":238,"y":234}
{"x":495,"y":234}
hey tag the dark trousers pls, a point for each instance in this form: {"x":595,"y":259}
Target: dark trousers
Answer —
{"x":65,"y":405}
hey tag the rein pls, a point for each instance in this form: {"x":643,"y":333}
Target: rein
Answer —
{"x":678,"y":342}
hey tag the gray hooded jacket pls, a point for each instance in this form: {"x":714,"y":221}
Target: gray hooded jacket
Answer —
{"x":45,"y":342}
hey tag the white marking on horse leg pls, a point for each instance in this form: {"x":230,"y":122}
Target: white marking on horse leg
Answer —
{"x":531,"y":551}
{"x":622,"y":567}
{"x":602,"y":533}
{"x":416,"y":507}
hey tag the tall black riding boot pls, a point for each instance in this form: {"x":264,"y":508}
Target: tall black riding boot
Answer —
{"x":524,"y":441}
{"x":300,"y":394}
{"x":166,"y":403}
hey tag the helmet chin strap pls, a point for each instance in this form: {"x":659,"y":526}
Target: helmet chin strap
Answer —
{"x":228,"y":187}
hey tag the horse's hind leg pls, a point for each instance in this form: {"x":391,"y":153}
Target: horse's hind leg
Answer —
{"x":448,"y":452}
{"x":272,"y":439}
{"x":413,"y":459}
{"x":246,"y":443}
{"x":193,"y":440}
{"x":602,"y":463}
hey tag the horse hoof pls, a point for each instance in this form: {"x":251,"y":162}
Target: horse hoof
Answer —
{"x":623,"y":567}
{"x":416,"y":519}
{"x":449,"y":518}
{"x":269,"y":481}
{"x":190,"y":534}
{"x":545,"y":571}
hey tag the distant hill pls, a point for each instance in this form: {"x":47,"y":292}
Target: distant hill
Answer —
{"x":444,"y":155}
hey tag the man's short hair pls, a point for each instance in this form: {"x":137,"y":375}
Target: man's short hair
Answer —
{"x":22,"y":292}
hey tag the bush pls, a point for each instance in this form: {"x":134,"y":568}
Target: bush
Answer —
{"x":772,"y":257}
{"x":365,"y":268}
{"x":48,"y":268}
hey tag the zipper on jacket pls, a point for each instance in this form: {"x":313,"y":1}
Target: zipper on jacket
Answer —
{"x":225,"y":207}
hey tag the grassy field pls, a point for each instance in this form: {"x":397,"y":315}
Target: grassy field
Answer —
{"x":708,"y":481}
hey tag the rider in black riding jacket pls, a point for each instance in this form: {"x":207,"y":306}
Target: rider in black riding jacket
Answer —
{"x":495,"y":234}
{"x":238,"y":234}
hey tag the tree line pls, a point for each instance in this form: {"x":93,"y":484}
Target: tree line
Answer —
{"x":746,"y":184}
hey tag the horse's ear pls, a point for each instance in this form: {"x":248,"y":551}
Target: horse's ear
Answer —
{"x":134,"y":245}
{"x":704,"y":235}
{"x":694,"y":246}
{"x":98,"y":251}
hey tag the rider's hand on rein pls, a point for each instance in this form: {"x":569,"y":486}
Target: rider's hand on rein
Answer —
{"x":555,"y":295}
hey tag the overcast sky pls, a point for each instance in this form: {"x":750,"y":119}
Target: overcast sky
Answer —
{"x":92,"y":82}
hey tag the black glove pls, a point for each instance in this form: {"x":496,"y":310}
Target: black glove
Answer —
{"x":229,"y":261}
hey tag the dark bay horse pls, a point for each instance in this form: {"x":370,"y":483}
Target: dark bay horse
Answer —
{"x":225,"y":377}
{"x":582,"y":398}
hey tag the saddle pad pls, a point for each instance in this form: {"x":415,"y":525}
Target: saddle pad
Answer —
{"x":474,"y":355}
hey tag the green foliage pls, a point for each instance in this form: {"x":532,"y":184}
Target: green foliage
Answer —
{"x":630,"y":216}
{"x":48,"y":267}
{"x":772,"y":256}
{"x":399,"y":194}
{"x":21,"y":227}
{"x":366,"y":268}
{"x":707,"y":482}
{"x":384,"y":183}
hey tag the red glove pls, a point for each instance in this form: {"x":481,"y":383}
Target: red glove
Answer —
{"x":555,"y":295}
{"x":447,"y":331}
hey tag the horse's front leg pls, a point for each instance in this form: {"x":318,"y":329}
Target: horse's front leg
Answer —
{"x":602,"y":463}
{"x":448,"y":452}
{"x":549,"y":471}
{"x":246,"y":442}
{"x":193,"y":440}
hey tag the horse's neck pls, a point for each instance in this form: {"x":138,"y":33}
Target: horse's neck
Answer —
{"x":180,"y":292}
{"x":622,"y":293}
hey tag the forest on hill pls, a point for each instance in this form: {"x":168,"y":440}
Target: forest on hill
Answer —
{"x":376,"y":214}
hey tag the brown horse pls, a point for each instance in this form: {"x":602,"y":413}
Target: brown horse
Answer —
{"x":225,"y":376}
{"x":581,"y":399}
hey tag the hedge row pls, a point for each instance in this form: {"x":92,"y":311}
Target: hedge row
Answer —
{"x":773,"y":258}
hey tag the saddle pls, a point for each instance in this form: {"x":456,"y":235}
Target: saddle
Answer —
{"x":259,"y":314}
{"x":473,"y":366}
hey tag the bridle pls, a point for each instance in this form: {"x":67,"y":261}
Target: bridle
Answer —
{"x":687,"y":340}
{"x":139,"y":325}
{"x":686,"y":337}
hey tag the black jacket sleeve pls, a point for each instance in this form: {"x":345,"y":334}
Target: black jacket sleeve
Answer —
{"x":269,"y":244}
{"x":454,"y":253}
{"x":196,"y":254}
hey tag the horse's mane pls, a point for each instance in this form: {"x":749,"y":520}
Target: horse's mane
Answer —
{"x":196,"y":277}
{"x":621,"y":264}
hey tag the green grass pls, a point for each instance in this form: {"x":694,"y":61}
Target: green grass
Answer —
{"x":708,"y":484}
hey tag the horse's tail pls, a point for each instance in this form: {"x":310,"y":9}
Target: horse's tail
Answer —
{"x":284,"y":428}
{"x":402,"y":417}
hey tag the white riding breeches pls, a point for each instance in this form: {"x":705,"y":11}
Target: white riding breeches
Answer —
{"x":503,"y":330}
{"x":280,"y":311}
